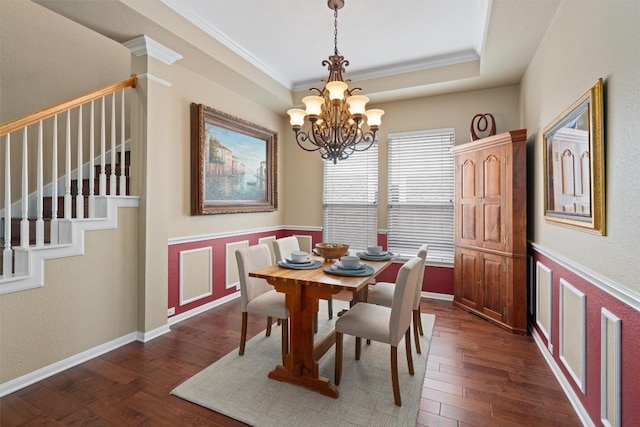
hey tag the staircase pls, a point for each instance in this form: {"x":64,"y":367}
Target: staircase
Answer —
{"x":47,"y":223}
{"x":47,"y":206}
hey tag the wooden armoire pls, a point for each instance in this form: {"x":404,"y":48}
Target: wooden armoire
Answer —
{"x":490,"y":229}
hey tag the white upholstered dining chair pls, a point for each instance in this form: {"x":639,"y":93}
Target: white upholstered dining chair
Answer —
{"x":382,"y":294}
{"x":384,"y":324}
{"x":259,"y":297}
{"x":283,"y":248}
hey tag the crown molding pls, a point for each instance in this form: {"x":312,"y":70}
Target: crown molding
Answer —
{"x":145,"y":45}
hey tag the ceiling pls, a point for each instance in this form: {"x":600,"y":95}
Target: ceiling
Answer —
{"x":396,"y":49}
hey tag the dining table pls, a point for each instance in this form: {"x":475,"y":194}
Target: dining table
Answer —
{"x":303,"y":288}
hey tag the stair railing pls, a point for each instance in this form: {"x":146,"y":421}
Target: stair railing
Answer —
{"x":45,"y":125}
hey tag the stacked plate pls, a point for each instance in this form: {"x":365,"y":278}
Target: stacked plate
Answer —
{"x":340,"y":270}
{"x":307,"y":264}
{"x":382,"y":256}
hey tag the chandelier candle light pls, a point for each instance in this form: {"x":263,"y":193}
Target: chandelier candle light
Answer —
{"x":335,"y":114}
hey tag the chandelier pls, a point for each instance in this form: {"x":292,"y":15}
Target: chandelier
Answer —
{"x":335,"y":113}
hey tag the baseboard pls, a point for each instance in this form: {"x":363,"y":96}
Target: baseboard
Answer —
{"x":201,"y":309}
{"x":434,"y":295}
{"x":566,"y":387}
{"x":148,"y":336}
{"x":47,"y":371}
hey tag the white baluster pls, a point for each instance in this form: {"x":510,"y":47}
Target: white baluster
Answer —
{"x":103,"y":176}
{"x":112,"y":176}
{"x":54,"y":184}
{"x":123,"y":179}
{"x":67,"y":169}
{"x":7,"y":253}
{"x":92,"y":172}
{"x":79,"y":184}
{"x":24,"y":224}
{"x":39,"y":192}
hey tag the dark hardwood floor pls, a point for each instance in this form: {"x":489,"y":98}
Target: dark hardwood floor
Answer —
{"x":477,"y":375}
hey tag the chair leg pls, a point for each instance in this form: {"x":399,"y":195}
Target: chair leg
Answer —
{"x":358,"y":347}
{"x":416,"y":330}
{"x":417,"y":312}
{"x":269,"y":322}
{"x":394,"y":376}
{"x":285,"y":339}
{"x":407,"y":340}
{"x":330,"y":307}
{"x":243,"y":333}
{"x":338,"y":362}
{"x":315,"y":323}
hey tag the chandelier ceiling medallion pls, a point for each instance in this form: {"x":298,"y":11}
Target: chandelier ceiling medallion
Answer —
{"x":335,"y":114}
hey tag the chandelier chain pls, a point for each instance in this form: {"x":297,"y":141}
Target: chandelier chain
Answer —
{"x":335,"y":29}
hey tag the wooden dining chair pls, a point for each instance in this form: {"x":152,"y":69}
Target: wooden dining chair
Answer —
{"x":257,"y":296}
{"x":283,"y":248}
{"x":384,"y":324}
{"x":382,"y":294}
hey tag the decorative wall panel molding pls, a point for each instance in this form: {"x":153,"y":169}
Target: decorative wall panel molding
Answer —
{"x":610,"y":368}
{"x":572,"y":336}
{"x":232,"y":279}
{"x":196,"y":274}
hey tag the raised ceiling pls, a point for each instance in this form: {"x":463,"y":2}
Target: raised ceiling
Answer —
{"x":396,"y":49}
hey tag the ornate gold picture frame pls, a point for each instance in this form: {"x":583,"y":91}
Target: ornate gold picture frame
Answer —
{"x":233,"y":164}
{"x":574,"y":164}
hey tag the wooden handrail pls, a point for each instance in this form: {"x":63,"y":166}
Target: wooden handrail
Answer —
{"x":32,"y":118}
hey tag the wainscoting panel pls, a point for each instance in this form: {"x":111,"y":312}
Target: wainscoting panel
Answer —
{"x":196,"y":274}
{"x":305,"y":242}
{"x":269,"y":242}
{"x":595,"y":324}
{"x":572,"y":336}
{"x":610,"y":368}
{"x":544,"y":301}
{"x":233,"y":277}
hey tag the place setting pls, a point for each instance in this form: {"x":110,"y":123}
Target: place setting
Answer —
{"x":299,"y":260}
{"x":375,"y":253}
{"x":349,"y":266}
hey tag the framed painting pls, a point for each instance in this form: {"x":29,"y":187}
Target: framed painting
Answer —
{"x":233,"y":164}
{"x":574,"y":164}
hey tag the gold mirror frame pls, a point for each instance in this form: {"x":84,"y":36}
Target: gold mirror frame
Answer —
{"x":573,"y":147}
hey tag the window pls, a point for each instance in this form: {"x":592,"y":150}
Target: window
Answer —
{"x":350,"y":200}
{"x":421,"y":193}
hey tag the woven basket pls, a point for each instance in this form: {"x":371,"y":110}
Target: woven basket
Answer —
{"x":330,"y":251}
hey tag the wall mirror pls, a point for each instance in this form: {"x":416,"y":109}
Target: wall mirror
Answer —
{"x":574,"y":164}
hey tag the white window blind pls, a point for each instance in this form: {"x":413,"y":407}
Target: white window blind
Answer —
{"x":421,"y":193}
{"x":350,"y":199}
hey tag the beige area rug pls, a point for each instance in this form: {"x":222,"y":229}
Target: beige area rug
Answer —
{"x":238,"y":386}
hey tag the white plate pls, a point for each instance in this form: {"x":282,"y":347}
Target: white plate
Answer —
{"x":306,"y":261}
{"x":383,"y":253}
{"x":339,"y":265}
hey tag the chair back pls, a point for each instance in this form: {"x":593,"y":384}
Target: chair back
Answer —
{"x":422,"y":253}
{"x":249,"y":259}
{"x":403,"y":297}
{"x":283,"y":247}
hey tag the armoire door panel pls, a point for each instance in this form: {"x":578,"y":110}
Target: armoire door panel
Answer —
{"x":492,"y":273}
{"x":468,"y":226}
{"x":493,"y":224}
{"x":492,"y":177}
{"x":468,"y":180}
{"x":468,"y":279}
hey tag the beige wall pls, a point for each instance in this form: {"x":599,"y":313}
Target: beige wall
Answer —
{"x":596,"y":39}
{"x":86,"y":300}
{"x":454,"y":110}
